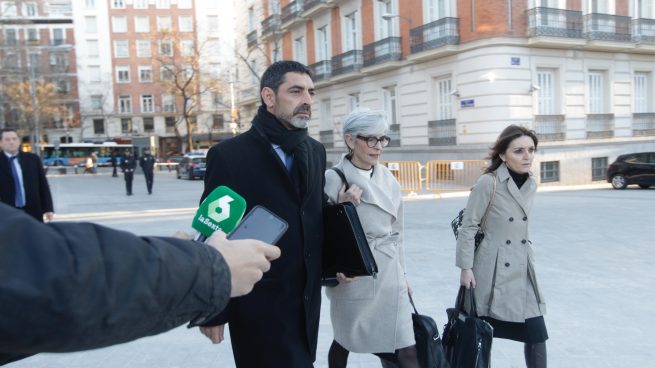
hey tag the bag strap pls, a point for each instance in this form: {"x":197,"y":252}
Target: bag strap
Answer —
{"x":493,"y":196}
{"x":461,"y":299}
{"x":412,"y":302}
{"x":341,"y":175}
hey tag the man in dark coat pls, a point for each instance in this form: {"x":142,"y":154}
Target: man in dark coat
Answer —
{"x":63,"y":285}
{"x":128,"y":165}
{"x":147,"y":163}
{"x":22,"y":180}
{"x":113,"y":161}
{"x":277,"y":165}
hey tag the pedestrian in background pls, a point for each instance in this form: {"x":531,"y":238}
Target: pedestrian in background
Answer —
{"x":147,"y":163}
{"x":89,"y":165}
{"x":128,"y":165}
{"x":371,"y":315}
{"x":22,"y":179}
{"x":502,"y":269}
{"x":114,"y":161}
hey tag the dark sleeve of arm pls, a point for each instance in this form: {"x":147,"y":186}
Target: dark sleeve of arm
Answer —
{"x":44,"y":190}
{"x":76,"y":286}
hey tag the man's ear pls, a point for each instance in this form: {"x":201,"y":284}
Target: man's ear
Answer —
{"x":268,"y":95}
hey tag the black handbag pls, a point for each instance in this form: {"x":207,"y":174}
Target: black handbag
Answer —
{"x":467,"y":338}
{"x":346,"y":249}
{"x":429,"y":349}
{"x":456,"y":223}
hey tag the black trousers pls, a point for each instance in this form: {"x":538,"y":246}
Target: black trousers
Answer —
{"x":129,"y":177}
{"x":150,"y":177}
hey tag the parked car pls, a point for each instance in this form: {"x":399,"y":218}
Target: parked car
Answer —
{"x":632,"y":168}
{"x":192,"y":167}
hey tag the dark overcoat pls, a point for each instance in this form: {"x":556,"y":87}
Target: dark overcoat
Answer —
{"x":38,"y":199}
{"x":276,"y":325}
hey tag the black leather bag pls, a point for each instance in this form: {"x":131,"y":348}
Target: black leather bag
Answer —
{"x":456,"y":223}
{"x":346,"y":249}
{"x":467,"y":338}
{"x":429,"y":349}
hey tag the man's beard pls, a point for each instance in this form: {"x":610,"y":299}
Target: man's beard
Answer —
{"x":299,"y":122}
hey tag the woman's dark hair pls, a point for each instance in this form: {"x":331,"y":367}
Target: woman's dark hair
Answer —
{"x":273,"y":77}
{"x":502,"y":143}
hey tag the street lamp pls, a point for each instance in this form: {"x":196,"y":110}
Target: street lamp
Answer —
{"x":390,"y":16}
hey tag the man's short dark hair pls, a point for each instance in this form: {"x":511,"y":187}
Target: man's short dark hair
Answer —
{"x":2,"y":132}
{"x":273,"y":77}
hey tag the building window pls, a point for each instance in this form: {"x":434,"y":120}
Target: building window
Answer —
{"x":142,"y":23}
{"x":118,"y":4}
{"x":322,"y":44}
{"x":389,"y":98}
{"x":140,"y":4}
{"x":596,"y":92}
{"x":123,"y":74}
{"x":29,"y":9}
{"x":147,"y":104}
{"x":444,"y":98}
{"x":143,"y":48}
{"x":326,"y":115}
{"x":91,"y":23}
{"x":273,"y":7}
{"x":186,"y":23}
{"x":598,"y":168}
{"x":58,"y":36}
{"x":124,"y":104}
{"x":96,"y":102}
{"x":212,"y":24}
{"x":90,"y":4}
{"x":99,"y":126}
{"x":119,"y":24}
{"x":34,"y":61}
{"x":169,"y":122}
{"x":163,"y":4}
{"x":145,"y":73}
{"x":184,"y":4}
{"x":8,"y":9}
{"x":299,"y":50}
{"x":165,"y":48}
{"x":32,"y":36}
{"x":168,"y":103}
{"x":148,"y":125}
{"x":642,"y":92}
{"x":351,"y":34}
{"x":251,"y":19}
{"x":549,"y":171}
{"x":11,"y":37}
{"x":186,"y":47}
{"x":218,"y":121}
{"x":353,"y":101}
{"x":385,"y":26}
{"x":546,"y":102}
{"x":94,"y":74}
{"x":166,"y":73}
{"x":436,"y":9}
{"x":126,"y":125}
{"x":92,"y":48}
{"x":121,"y":49}
{"x":163,"y":23}
{"x":63,"y":86}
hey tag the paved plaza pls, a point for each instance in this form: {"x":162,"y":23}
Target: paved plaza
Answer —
{"x":594,"y":263}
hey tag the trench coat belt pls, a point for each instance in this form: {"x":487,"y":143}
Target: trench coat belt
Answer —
{"x":386,"y":244}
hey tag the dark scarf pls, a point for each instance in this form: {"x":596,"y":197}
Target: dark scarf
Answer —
{"x":519,"y":179}
{"x":293,"y":142}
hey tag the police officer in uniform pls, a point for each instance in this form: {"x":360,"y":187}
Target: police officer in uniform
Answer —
{"x":128,"y":165}
{"x":147,"y":163}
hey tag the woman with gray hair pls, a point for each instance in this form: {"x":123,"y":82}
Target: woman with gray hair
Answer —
{"x":371,"y":315}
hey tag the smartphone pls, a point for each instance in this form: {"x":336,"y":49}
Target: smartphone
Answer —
{"x":261,"y":224}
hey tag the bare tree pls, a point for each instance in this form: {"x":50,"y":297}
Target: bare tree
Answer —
{"x":33,"y":102}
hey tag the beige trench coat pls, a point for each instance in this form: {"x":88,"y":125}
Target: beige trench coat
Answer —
{"x":504,"y":264}
{"x":373,"y":315}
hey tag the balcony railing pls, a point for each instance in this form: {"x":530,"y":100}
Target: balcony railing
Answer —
{"x":327,"y":138}
{"x":554,"y":23}
{"x":643,"y":124}
{"x":550,"y":127}
{"x":349,"y":61}
{"x":270,"y":24}
{"x":607,"y":27}
{"x":322,"y":70}
{"x":394,"y":135}
{"x":252,"y":39}
{"x":57,"y":41}
{"x":292,"y":11}
{"x":59,"y":68}
{"x":309,"y":4}
{"x":643,"y":30}
{"x":378,"y":52}
{"x":600,"y":125}
{"x":441,"y":32}
{"x":442,"y":132}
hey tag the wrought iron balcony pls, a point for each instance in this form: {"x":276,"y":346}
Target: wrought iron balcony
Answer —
{"x":550,"y":127}
{"x":643,"y":123}
{"x":600,"y":125}
{"x":442,"y":132}
{"x":607,"y":27}
{"x":311,"y":4}
{"x":381,"y":51}
{"x":349,"y":61}
{"x":327,"y":138}
{"x":643,"y":30}
{"x":270,"y":25}
{"x":441,"y":32}
{"x":252,"y":39}
{"x":554,"y":23}
{"x":322,"y":70}
{"x":292,"y":11}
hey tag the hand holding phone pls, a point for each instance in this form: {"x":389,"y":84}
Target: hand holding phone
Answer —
{"x":261,"y":224}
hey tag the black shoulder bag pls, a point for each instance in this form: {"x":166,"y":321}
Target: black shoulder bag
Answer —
{"x":456,"y":223}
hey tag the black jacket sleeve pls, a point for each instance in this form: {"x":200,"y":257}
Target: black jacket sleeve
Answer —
{"x":76,"y":286}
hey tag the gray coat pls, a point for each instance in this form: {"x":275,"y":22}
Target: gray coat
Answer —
{"x":373,"y":315}
{"x":504,"y":264}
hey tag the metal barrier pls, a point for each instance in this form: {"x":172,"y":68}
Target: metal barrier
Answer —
{"x":171,"y":165}
{"x":408,"y":174}
{"x":452,"y":175}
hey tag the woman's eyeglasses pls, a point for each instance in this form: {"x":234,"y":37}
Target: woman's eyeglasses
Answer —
{"x":373,"y":141}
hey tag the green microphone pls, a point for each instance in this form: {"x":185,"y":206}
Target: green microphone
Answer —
{"x":221,"y":210}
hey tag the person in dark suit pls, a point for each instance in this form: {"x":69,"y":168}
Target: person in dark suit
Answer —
{"x":128,"y":165}
{"x":22,"y":180}
{"x":147,"y":163}
{"x":114,"y":161}
{"x":277,"y":165}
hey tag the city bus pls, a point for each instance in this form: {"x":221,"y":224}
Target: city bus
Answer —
{"x":70,"y":154}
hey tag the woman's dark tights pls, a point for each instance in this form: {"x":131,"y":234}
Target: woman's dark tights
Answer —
{"x":403,"y":358}
{"x":535,"y":355}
